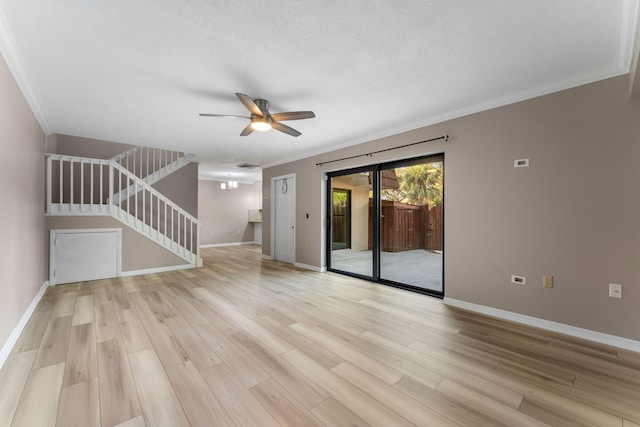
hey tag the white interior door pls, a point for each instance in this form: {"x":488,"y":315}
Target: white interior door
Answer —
{"x":79,"y":255}
{"x":284,"y":190}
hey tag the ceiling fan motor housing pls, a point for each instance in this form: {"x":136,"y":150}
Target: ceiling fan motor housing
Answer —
{"x":263,"y":105}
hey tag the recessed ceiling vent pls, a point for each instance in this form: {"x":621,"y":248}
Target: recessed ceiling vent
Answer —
{"x":247,"y":166}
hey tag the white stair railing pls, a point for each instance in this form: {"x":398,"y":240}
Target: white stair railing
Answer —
{"x":145,"y":162}
{"x":83,"y":186}
{"x":149,"y":164}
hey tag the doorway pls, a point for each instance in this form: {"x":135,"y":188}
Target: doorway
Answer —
{"x":283,"y":190}
{"x":395,"y":222}
{"x":356,"y":259}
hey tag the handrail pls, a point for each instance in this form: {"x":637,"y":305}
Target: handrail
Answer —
{"x":125,"y":153}
{"x":125,"y":172}
{"x":77,"y":158}
{"x":145,"y":162}
{"x":152,"y":190}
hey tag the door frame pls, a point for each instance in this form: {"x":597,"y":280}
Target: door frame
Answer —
{"x":329,"y":220}
{"x":273,"y":215}
{"x":376,"y":231}
{"x":52,"y":247}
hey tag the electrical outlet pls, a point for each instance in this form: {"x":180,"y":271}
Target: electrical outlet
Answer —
{"x":615,"y":291}
{"x":518,"y":280}
{"x":521,"y":163}
{"x":547,"y":281}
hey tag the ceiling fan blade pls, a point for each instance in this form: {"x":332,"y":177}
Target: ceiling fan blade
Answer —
{"x":293,"y":115}
{"x":247,"y":130}
{"x":284,"y":128}
{"x":229,"y":116}
{"x":249,"y":104}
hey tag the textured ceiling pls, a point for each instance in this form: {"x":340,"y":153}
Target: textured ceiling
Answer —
{"x":139,"y":72}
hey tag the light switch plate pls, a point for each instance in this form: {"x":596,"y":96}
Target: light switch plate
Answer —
{"x":518,"y":280}
{"x":615,"y":290}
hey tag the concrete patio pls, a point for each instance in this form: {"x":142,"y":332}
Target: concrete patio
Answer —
{"x":418,"y":267}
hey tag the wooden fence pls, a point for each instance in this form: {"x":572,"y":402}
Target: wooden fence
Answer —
{"x":433,"y":232}
{"x":340,"y":232}
{"x":406,"y":227}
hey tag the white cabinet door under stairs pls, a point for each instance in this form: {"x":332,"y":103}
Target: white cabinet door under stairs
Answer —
{"x":81,"y":255}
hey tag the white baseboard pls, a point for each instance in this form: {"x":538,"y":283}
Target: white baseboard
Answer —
{"x":217,"y":245}
{"x":310,"y":267}
{"x":562,"y":328}
{"x":156,"y":270}
{"x":13,"y":337}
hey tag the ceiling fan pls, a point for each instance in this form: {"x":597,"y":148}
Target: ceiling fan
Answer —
{"x":262,"y":120}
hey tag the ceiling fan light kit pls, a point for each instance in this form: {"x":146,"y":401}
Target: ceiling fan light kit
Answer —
{"x":262,"y":120}
{"x":260,"y":123}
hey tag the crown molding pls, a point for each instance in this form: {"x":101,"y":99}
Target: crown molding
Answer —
{"x":570,"y":83}
{"x":11,"y":56}
{"x":627,"y":32}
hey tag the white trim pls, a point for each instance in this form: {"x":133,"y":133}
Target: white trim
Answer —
{"x":156,"y":270}
{"x":9,"y":51}
{"x":627,"y":32}
{"x":217,"y":245}
{"x":570,"y":83}
{"x":222,"y":179}
{"x":60,"y":212}
{"x":268,"y":257}
{"x":15,"y":334}
{"x":310,"y":267}
{"x":562,"y":328}
{"x":52,"y":247}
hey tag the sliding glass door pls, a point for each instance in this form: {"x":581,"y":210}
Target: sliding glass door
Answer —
{"x":411,"y":224}
{"x":387,"y":223}
{"x":350,"y":234}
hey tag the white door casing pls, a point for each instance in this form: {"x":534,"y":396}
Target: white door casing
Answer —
{"x":283,"y":214}
{"x":78,"y":255}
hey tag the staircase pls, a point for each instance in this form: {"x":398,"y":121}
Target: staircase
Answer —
{"x":121,"y":187}
{"x":150,"y":164}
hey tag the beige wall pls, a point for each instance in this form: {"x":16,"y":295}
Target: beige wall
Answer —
{"x":359,"y":213}
{"x":360,"y":219}
{"x":181,"y":187}
{"x":22,"y":261}
{"x":574,"y":213}
{"x":138,"y":252}
{"x":84,"y":147}
{"x":224,"y":214}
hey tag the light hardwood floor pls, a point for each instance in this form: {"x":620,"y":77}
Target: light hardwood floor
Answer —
{"x":245,"y":341}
